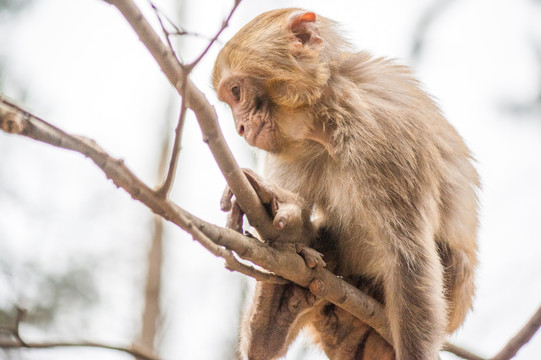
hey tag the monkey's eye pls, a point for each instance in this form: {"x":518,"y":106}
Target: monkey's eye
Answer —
{"x":235,"y":90}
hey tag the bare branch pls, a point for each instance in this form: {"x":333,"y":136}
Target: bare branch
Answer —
{"x":178,"y":30}
{"x":165,"y":32}
{"x":20,"y":343}
{"x":225,"y":24}
{"x":512,"y":347}
{"x":460,"y":352}
{"x":50,"y":345}
{"x":168,"y":182}
{"x":521,"y":338}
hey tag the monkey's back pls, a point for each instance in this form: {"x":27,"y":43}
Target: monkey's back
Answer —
{"x":395,"y":164}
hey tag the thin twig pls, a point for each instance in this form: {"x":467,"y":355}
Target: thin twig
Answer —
{"x":164,"y":30}
{"x":178,"y":31}
{"x":168,"y":182}
{"x":225,"y":24}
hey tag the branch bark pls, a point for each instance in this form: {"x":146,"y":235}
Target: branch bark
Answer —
{"x":218,"y":240}
{"x":521,"y":338}
{"x":138,"y":354}
{"x":205,"y":114}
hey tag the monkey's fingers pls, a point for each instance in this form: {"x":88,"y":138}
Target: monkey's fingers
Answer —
{"x":312,"y":258}
{"x":262,"y":188}
{"x":235,"y":218}
{"x":225,"y":200}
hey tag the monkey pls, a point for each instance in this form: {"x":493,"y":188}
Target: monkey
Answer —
{"x":365,"y":151}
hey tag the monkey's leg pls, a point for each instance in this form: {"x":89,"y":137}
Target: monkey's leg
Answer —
{"x":344,"y":337}
{"x":274,"y":319}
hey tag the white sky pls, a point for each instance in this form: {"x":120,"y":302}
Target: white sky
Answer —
{"x":84,"y":70}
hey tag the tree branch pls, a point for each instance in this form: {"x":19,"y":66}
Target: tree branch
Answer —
{"x":233,"y":264}
{"x":206,"y":116}
{"x":521,"y":338}
{"x":177,"y":30}
{"x":287,"y":264}
{"x":139,"y":354}
{"x":164,"y":30}
{"x":460,"y":352}
{"x":168,"y":182}
{"x":20,"y":343}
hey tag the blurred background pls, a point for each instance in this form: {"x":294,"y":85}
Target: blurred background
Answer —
{"x":75,"y":251}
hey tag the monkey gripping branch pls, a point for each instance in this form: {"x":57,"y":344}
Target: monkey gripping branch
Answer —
{"x":281,"y":264}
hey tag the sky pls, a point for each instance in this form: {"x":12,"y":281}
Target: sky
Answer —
{"x":78,"y":65}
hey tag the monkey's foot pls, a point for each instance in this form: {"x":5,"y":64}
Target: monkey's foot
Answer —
{"x":312,"y":258}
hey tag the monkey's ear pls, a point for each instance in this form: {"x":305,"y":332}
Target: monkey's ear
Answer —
{"x":303,"y":26}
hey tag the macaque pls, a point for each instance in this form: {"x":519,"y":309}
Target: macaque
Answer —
{"x":364,"y":150}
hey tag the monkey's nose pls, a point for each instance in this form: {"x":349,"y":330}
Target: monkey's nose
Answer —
{"x":241,"y":130}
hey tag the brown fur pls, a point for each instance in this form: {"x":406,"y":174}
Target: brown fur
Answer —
{"x":357,"y":139}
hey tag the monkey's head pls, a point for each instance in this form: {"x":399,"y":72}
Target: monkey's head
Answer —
{"x":272,"y":72}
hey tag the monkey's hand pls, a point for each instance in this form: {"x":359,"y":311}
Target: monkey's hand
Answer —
{"x":285,"y":208}
{"x":290,"y":214}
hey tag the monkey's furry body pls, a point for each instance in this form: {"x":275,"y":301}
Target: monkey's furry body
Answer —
{"x":368,"y":151}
